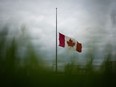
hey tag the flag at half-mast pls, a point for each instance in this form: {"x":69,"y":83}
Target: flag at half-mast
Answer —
{"x":65,"y":41}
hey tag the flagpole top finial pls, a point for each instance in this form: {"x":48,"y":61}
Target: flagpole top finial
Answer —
{"x":56,"y":8}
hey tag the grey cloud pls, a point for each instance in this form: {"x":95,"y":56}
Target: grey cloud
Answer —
{"x":85,"y":20}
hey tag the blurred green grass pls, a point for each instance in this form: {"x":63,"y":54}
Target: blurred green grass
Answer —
{"x":31,"y":71}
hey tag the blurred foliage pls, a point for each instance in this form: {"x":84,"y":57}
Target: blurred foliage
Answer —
{"x":30,"y":71}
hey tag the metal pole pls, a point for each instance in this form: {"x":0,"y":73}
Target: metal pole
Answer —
{"x":56,"y":39}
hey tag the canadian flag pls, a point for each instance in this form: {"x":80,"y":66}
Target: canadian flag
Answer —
{"x":65,"y":41}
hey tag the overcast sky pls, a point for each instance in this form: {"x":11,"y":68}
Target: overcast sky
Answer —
{"x":91,"y":22}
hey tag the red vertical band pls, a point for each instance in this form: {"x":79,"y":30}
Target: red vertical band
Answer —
{"x":61,"y":40}
{"x":79,"y":47}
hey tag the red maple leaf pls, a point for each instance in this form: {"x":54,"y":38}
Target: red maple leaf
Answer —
{"x":70,"y":43}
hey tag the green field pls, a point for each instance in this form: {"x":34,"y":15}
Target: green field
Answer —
{"x":32,"y":72}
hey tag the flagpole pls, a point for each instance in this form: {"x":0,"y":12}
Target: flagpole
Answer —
{"x":56,"y":40}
